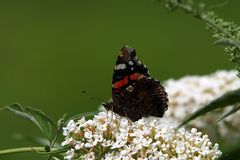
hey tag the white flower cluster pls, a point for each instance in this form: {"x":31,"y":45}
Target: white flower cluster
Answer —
{"x":111,"y":137}
{"x":190,"y":93}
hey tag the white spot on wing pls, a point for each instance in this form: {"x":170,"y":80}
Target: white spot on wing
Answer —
{"x":130,"y":63}
{"x":120,"y":66}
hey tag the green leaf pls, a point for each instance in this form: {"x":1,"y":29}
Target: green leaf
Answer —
{"x":233,"y":110}
{"x":225,"y":42}
{"x":44,"y":122}
{"x":227,"y":99}
{"x":61,"y":121}
{"x":231,"y":152}
{"x":57,"y":157}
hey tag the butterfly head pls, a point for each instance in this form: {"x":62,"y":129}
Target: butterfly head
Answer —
{"x":126,"y":55}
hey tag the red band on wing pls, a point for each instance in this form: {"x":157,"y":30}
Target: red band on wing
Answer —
{"x":121,"y":83}
{"x":134,"y":76}
{"x":124,"y":81}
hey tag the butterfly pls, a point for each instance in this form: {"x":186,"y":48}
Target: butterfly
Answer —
{"x":134,"y":93}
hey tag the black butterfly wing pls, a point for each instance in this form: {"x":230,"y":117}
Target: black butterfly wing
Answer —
{"x":156,"y":102}
{"x":134,"y":93}
{"x":148,"y":98}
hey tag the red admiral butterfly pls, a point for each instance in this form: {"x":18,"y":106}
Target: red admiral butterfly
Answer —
{"x":134,"y":93}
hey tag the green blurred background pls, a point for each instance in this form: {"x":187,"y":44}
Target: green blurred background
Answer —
{"x":51,"y":50}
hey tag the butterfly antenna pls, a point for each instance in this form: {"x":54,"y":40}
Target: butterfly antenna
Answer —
{"x":92,"y":97}
{"x":102,"y":102}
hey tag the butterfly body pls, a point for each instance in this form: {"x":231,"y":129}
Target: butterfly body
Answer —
{"x":134,"y":93}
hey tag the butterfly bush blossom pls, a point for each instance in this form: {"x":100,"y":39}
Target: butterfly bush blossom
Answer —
{"x":190,"y":93}
{"x":111,"y":137}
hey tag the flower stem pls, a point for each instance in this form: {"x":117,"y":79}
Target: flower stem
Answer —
{"x":22,"y":150}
